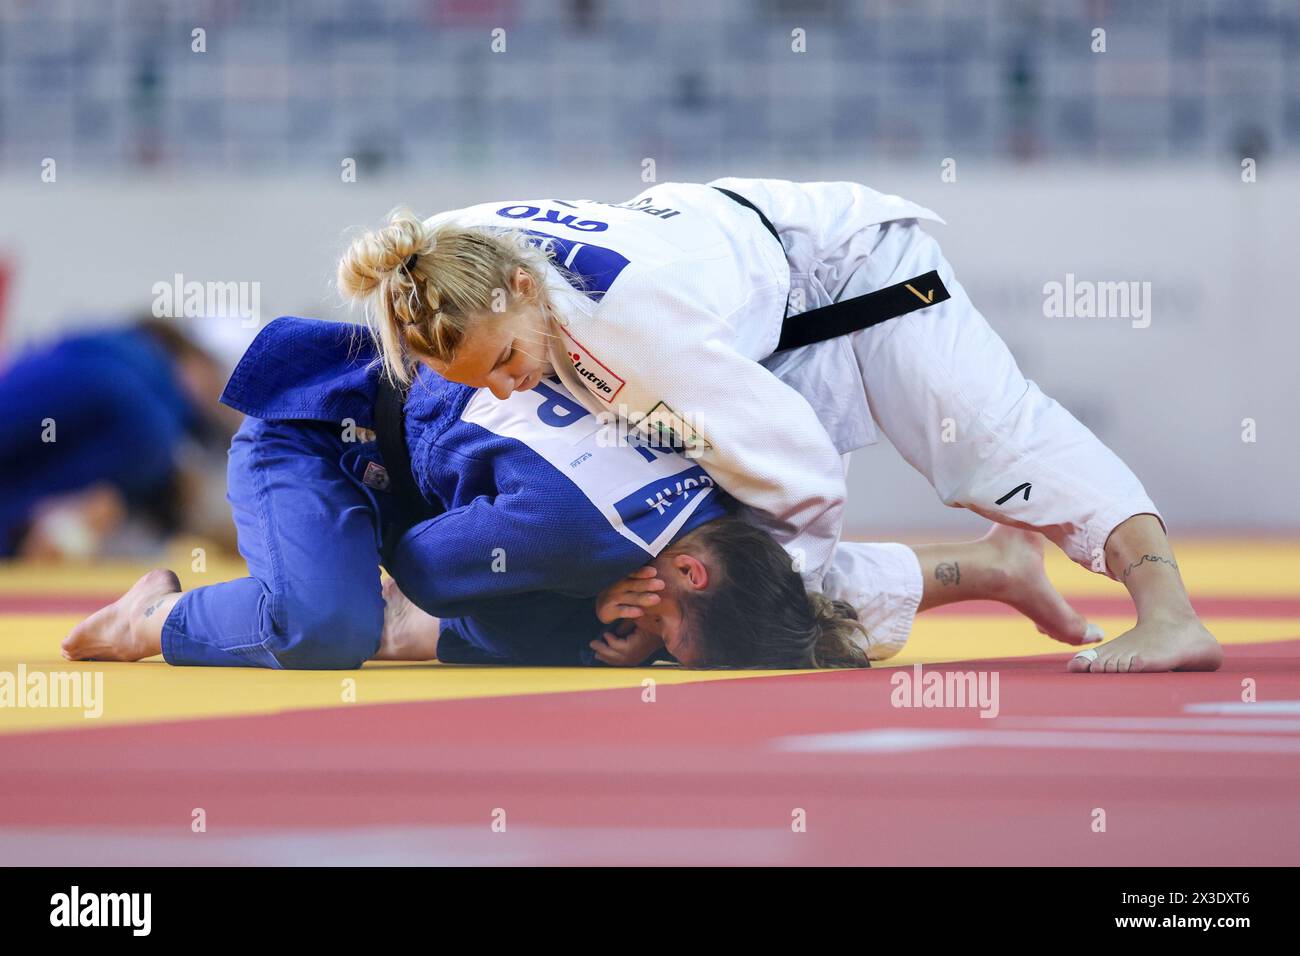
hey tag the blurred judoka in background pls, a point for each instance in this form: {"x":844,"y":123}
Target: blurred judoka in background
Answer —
{"x":112,"y":440}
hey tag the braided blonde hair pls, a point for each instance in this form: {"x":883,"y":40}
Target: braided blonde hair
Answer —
{"x":422,"y":287}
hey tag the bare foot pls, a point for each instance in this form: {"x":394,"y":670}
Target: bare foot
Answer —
{"x":113,"y":633}
{"x":409,"y":633}
{"x":1027,"y":588}
{"x":1179,"y":643}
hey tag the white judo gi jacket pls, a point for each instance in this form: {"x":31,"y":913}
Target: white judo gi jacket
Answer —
{"x":687,"y":296}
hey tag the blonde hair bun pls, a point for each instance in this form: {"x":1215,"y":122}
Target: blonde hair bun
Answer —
{"x":423,"y":308}
{"x":381,"y":253}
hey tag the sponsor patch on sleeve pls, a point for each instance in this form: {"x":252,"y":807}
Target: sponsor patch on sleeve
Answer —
{"x":600,"y":381}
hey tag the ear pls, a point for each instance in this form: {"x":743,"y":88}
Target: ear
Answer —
{"x":523,"y":282}
{"x":690,"y":572}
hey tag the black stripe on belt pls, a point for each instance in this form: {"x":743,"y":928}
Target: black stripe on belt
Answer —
{"x":857,"y":313}
{"x":862,"y":311}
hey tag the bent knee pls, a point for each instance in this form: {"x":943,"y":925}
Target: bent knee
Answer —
{"x":329,"y":630}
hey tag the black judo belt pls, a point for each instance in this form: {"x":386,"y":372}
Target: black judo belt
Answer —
{"x":410,"y":506}
{"x":859,"y":312}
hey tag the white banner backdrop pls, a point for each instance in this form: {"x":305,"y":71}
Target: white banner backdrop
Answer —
{"x":1204,"y":357}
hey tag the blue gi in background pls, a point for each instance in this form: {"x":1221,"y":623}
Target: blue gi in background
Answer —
{"x":119,"y":414}
{"x":542,"y":512}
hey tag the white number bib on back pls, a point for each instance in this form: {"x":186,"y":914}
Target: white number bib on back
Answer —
{"x":646,"y":494}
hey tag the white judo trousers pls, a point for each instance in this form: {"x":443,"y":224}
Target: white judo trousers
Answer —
{"x":946,"y":391}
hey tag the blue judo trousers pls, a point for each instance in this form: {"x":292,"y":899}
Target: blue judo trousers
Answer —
{"x":543,"y":507}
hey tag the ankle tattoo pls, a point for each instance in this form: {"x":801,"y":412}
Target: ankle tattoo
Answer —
{"x":949,"y":572}
{"x":1154,"y":559}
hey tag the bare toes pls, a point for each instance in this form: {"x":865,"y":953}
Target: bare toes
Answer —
{"x":1082,"y":663}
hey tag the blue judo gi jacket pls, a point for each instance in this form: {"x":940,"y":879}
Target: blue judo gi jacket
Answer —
{"x":545,"y":505}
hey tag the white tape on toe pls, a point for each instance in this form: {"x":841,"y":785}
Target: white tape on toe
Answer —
{"x":1089,"y":655}
{"x":1093,"y":634}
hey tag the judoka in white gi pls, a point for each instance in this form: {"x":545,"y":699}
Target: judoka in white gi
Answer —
{"x":667,"y":311}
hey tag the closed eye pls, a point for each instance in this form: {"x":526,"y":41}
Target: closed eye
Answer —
{"x":506,"y":356}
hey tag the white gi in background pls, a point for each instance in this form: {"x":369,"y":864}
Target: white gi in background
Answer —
{"x":699,"y":305}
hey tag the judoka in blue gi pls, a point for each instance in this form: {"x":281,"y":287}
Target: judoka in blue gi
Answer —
{"x":91,"y":435}
{"x":540,"y":511}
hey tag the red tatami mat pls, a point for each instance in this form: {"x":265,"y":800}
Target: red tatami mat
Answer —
{"x":1176,"y":766}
